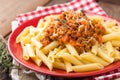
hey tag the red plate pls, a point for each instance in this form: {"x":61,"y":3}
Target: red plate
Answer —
{"x":16,"y":52}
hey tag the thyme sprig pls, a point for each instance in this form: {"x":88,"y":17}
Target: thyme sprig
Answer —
{"x":5,"y":58}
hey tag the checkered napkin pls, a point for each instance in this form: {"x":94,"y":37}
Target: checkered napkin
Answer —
{"x":88,"y":6}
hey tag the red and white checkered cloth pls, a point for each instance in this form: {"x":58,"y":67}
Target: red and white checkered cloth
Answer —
{"x":87,"y":5}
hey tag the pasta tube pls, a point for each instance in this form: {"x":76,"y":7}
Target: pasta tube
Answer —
{"x":23,"y":33}
{"x":71,"y":49}
{"x":44,"y":58}
{"x":115,"y":43}
{"x":105,"y":56}
{"x":37,"y":60}
{"x":25,"y":53}
{"x":36,"y":43}
{"x":71,"y":59}
{"x":93,"y":58}
{"x":59,"y":65}
{"x":50,"y":46}
{"x":87,"y":67}
{"x":68,"y":66}
{"x":110,"y":49}
{"x":111,"y":36}
{"x":30,"y":50}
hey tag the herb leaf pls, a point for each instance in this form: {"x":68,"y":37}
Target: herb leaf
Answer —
{"x":5,"y":58}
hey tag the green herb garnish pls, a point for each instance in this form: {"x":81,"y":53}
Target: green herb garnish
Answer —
{"x":5,"y":58}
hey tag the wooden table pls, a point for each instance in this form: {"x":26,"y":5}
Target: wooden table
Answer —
{"x":10,"y":9}
{"x":111,"y":8}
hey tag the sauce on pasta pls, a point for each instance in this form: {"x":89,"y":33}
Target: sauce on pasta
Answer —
{"x":74,"y":28}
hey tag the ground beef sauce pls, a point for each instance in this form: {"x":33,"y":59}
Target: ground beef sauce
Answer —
{"x":74,"y":28}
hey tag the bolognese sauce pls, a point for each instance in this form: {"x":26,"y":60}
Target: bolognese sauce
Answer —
{"x":74,"y":28}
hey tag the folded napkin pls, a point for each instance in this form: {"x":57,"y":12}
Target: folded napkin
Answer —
{"x":88,"y":6}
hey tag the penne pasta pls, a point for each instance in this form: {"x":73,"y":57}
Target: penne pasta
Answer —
{"x":30,"y":50}
{"x":50,"y":47}
{"x":23,"y":33}
{"x":71,"y":59}
{"x":40,"y":24}
{"x":61,"y":52}
{"x":110,"y":49}
{"x":38,"y":44}
{"x":68,"y":66}
{"x":111,"y":36}
{"x":51,"y":56}
{"x":82,"y":60}
{"x":25,"y":40}
{"x":106,"y":57}
{"x":94,"y":59}
{"x":115,"y":43}
{"x":111,"y":23}
{"x":115,"y":29}
{"x":117,"y":55}
{"x":39,"y":35}
{"x":87,"y":67}
{"x":59,"y":65}
{"x":71,"y":49}
{"x":25,"y":53}
{"x":33,"y":31}
{"x":94,"y":49}
{"x":44,"y":58}
{"x":107,"y":30}
{"x":37,"y":60}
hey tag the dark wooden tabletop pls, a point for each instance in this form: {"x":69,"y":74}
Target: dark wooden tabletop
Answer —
{"x":112,"y":8}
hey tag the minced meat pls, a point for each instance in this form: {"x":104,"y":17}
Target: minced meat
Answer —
{"x":74,"y":28}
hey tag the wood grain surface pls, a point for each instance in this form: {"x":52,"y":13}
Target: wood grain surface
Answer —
{"x":111,"y":7}
{"x":10,"y":9}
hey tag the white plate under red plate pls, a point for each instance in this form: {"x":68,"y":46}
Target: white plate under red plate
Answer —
{"x":16,"y":52}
